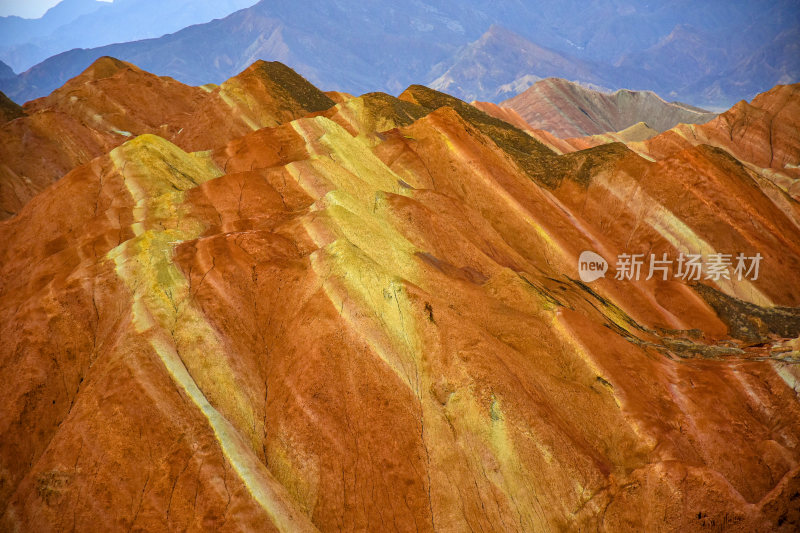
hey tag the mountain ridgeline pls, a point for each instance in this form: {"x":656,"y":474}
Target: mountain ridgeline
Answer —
{"x":710,"y":54}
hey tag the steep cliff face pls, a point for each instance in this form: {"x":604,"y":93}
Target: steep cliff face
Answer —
{"x":368,"y":315}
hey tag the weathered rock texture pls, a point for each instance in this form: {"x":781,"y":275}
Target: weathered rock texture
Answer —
{"x":567,"y":109}
{"x":366,"y":316}
{"x":762,"y":135}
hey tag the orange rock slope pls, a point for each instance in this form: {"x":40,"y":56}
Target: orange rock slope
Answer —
{"x":368,"y":316}
{"x":113,"y":101}
{"x":761,"y":134}
{"x":558,"y":145}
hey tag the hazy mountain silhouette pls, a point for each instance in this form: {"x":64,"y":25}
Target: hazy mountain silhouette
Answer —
{"x":90,"y":23}
{"x":708,"y":54}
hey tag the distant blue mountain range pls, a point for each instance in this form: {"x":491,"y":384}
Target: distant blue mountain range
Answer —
{"x":710,"y":53}
{"x":91,"y":23}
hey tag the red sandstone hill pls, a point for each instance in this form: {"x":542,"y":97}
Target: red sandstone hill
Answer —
{"x":367,"y":314}
{"x":567,"y":109}
{"x":507,"y":114}
{"x":761,"y":134}
{"x":113,"y":101}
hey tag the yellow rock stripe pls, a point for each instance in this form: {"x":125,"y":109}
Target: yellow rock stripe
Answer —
{"x":157,"y":173}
